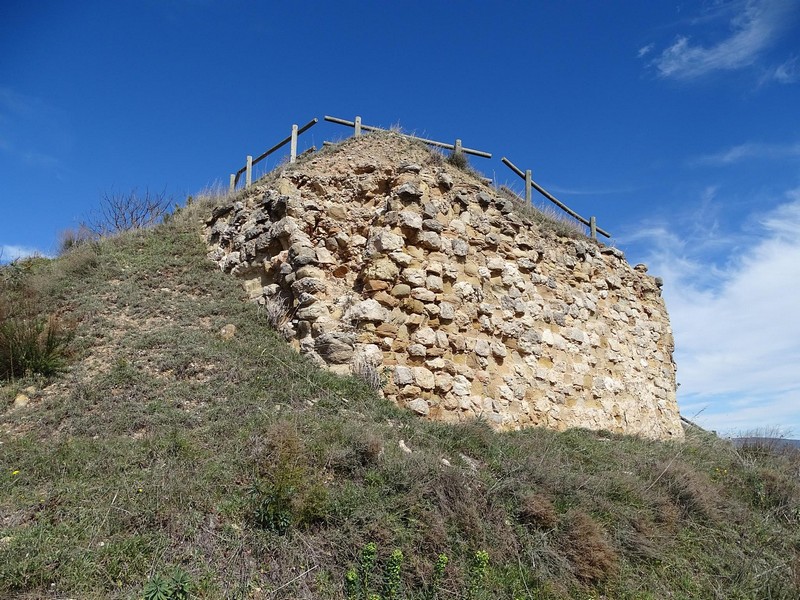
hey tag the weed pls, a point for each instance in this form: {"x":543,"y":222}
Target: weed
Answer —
{"x":176,"y":587}
{"x":367,"y":372}
{"x":459,"y":160}
{"x":32,"y":344}
{"x":276,"y":311}
{"x":477,"y":574}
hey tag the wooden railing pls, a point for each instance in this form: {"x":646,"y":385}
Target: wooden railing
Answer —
{"x":456,"y":148}
{"x":247,"y":169}
{"x":531,"y":184}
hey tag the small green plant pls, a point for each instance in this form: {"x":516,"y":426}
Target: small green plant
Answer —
{"x":351,"y":587}
{"x":438,"y":576}
{"x":176,"y":587}
{"x":32,"y":344}
{"x":273,"y":507}
{"x":391,"y":577}
{"x":369,"y":556}
{"x":477,"y":574}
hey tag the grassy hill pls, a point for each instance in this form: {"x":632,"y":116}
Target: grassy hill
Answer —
{"x":164,"y":453}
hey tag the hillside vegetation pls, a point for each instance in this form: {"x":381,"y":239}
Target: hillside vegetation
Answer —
{"x":159,"y":455}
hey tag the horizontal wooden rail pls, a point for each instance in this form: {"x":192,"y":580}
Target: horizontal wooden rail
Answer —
{"x":456,"y":147}
{"x":552,"y":198}
{"x":253,"y":161}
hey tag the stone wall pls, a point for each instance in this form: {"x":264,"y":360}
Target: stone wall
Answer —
{"x":464,"y":299}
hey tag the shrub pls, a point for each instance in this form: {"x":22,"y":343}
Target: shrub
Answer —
{"x":592,"y":557}
{"x":69,"y":239}
{"x":276,"y":311}
{"x":536,"y":510}
{"x":32,"y":344}
{"x":367,"y":372}
{"x":459,"y":160}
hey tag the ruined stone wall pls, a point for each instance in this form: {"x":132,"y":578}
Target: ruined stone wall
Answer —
{"x":387,"y":256}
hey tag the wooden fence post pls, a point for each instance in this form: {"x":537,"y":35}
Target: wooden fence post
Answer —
{"x":357,"y":127}
{"x":249,"y":175}
{"x":528,"y":186}
{"x":232,"y":185}
{"x":457,"y":147}
{"x":593,"y":227}
{"x":293,"y":154}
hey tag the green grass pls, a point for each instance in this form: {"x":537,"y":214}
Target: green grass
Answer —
{"x":163,"y":447}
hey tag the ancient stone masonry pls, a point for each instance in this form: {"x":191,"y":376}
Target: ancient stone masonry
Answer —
{"x":386,"y":255}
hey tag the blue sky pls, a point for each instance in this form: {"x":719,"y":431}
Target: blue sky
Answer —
{"x":676,"y":123}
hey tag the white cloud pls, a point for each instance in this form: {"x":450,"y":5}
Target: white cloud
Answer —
{"x":787,"y":72}
{"x":9,"y":252}
{"x":750,"y":150}
{"x":736,"y":329}
{"x":755,"y":26}
{"x":645,"y":50}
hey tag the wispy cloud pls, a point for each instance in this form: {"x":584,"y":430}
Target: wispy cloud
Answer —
{"x":645,"y":50}
{"x":748,"y":151}
{"x":10,"y":252}
{"x":592,"y":191}
{"x":736,"y":332}
{"x":755,"y":25}
{"x":27,"y":124}
{"x":787,"y":72}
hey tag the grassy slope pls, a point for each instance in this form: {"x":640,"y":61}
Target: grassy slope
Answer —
{"x":158,"y":444}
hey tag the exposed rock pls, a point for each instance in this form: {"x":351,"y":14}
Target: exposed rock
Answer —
{"x":474,"y":308}
{"x":335,"y":347}
{"x":419,"y":406}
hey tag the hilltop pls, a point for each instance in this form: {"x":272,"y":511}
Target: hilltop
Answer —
{"x":181,"y":431}
{"x":462,"y":299}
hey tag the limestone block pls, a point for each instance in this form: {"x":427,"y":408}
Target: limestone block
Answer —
{"x":383,"y":268}
{"x":419,"y":406}
{"x":425,"y":336}
{"x":386,"y":241}
{"x":417,"y":351}
{"x":312,"y":312}
{"x":401,"y":258}
{"x":367,"y":310}
{"x":423,"y":294}
{"x":461,"y":386}
{"x":499,"y":350}
{"x":429,"y":240}
{"x":414,"y":277}
{"x":446,"y":311}
{"x":386,"y":299}
{"x":403,"y":375}
{"x":424,"y":378}
{"x":410,"y":220}
{"x":434,"y":283}
{"x":309,"y":285}
{"x":443,"y":381}
{"x":401,"y":290}
{"x":335,"y":347}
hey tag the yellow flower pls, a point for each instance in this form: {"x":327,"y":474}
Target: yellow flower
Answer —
{"x":16,"y":472}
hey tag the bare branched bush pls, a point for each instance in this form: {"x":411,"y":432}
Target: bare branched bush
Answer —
{"x":125,"y":211}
